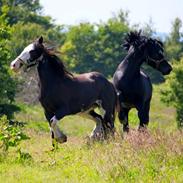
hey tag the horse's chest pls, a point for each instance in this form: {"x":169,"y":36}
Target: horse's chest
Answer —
{"x":51,"y":101}
{"x":127,"y":97}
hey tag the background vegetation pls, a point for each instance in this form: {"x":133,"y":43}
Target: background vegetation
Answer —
{"x":153,"y":157}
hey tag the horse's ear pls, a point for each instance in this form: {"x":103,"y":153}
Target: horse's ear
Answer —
{"x":139,"y":33}
{"x":40,"y":40}
{"x":161,"y":44}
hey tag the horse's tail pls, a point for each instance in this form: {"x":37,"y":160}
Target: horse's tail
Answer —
{"x":117,"y":103}
{"x":117,"y":109}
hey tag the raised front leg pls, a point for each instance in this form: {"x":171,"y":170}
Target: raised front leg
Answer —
{"x":48,"y":116}
{"x":58,"y":135}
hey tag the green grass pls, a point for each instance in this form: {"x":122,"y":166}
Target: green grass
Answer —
{"x":154,"y":156}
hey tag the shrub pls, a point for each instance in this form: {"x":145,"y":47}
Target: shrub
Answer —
{"x":10,"y":134}
{"x":173,"y":92}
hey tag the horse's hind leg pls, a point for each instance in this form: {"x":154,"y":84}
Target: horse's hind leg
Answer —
{"x":123,"y":118}
{"x":98,"y":131}
{"x":108,"y":119}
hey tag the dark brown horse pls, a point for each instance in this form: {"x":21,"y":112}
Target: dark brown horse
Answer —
{"x":63,"y":94}
{"x":133,"y":86}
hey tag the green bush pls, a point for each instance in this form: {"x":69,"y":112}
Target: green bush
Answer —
{"x":173,"y":92}
{"x":10,"y":134}
{"x":7,"y":84}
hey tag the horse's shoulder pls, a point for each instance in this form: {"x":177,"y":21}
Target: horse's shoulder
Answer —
{"x":143,"y":74}
{"x":146,"y":79}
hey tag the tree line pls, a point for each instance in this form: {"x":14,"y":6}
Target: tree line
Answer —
{"x":84,"y":47}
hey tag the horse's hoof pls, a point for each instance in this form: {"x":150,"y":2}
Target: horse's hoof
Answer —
{"x":142,"y":129}
{"x":126,"y":129}
{"x":97,"y":136}
{"x":62,"y":139}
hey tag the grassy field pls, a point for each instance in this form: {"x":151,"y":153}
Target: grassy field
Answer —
{"x":154,"y":156}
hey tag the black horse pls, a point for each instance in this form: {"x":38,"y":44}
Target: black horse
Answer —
{"x":133,"y":86}
{"x":63,"y":94}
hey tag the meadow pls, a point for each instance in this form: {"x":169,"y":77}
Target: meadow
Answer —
{"x":153,"y":156}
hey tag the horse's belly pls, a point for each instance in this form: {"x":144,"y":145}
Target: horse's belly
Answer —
{"x":128,"y":100}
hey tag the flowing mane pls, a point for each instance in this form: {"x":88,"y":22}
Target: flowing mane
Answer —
{"x":57,"y":63}
{"x":135,"y":39}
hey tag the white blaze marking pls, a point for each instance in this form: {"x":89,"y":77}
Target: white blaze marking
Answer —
{"x":15,"y":65}
{"x":24,"y":56}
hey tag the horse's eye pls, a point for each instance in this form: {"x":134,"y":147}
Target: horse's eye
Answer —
{"x":161,"y":53}
{"x":33,"y":54}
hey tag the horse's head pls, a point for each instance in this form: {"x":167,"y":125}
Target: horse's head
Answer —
{"x":155,"y":56}
{"x":152,"y":48}
{"x":29,"y":56}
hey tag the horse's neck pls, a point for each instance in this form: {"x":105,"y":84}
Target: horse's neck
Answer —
{"x":47,"y":75}
{"x":131,"y":64}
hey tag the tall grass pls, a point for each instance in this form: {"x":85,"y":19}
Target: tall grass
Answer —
{"x":153,"y":156}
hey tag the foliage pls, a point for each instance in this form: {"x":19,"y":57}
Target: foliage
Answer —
{"x":158,"y":153}
{"x":174,"y":43}
{"x":110,"y":51}
{"x":8,"y":110}
{"x":95,"y":47}
{"x":173,"y":94}
{"x":24,"y":34}
{"x":25,"y":11}
{"x":7,"y":84}
{"x":21,"y":22}
{"x":23,"y":156}
{"x":10,"y":135}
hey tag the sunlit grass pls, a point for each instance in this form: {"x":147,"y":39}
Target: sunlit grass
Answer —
{"x":154,"y":156}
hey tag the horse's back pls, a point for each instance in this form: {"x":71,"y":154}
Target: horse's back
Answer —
{"x":89,"y":76}
{"x":101,"y":86}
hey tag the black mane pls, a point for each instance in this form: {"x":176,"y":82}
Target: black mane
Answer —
{"x":59,"y":66}
{"x":56,"y":63}
{"x":135,"y":39}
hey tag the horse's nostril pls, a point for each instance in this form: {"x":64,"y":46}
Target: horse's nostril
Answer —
{"x":13,"y":65}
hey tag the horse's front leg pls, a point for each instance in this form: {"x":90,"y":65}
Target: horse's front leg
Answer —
{"x":59,"y":136}
{"x":48,"y":116}
{"x":143,"y":114}
{"x":123,"y":118}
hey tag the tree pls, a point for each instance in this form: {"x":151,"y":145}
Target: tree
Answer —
{"x":174,"y":43}
{"x":110,"y":39}
{"x":79,"y":47}
{"x":173,"y":92}
{"x":24,"y":34}
{"x":25,"y":11}
{"x":96,"y":47}
{"x":26,"y":23}
{"x":7,"y":84}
